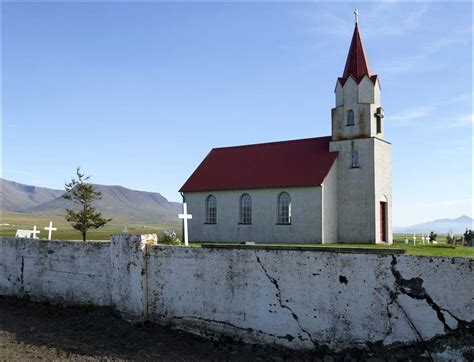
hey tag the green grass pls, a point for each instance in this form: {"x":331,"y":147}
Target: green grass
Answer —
{"x":66,"y":232}
{"x":440,"y":249}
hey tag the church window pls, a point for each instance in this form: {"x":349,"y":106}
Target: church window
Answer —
{"x":284,"y":208}
{"x":355,"y":159}
{"x":245,"y":209}
{"x":211,"y":210}
{"x":350,"y":117}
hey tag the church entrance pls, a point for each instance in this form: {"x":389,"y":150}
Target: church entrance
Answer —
{"x":383,"y":221}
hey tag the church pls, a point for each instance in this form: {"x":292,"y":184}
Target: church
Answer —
{"x":333,"y":189}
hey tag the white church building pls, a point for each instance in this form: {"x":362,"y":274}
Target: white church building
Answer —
{"x":334,"y":189}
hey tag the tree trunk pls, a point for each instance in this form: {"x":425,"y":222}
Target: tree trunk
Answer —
{"x":83,"y":235}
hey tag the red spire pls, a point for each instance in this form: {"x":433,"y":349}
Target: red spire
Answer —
{"x":357,"y":64}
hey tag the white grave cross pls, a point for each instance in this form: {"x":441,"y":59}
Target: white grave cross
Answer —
{"x":185,"y":216}
{"x":50,"y":229}
{"x":34,"y":232}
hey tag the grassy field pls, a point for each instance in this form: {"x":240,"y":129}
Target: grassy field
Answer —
{"x":66,"y":232}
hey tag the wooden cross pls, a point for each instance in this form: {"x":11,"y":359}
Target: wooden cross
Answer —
{"x":34,"y":232}
{"x":50,"y":229}
{"x":185,"y":217}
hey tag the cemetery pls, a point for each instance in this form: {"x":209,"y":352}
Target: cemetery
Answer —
{"x":284,"y":248}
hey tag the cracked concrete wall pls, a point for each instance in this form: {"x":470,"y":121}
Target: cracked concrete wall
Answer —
{"x":60,"y":271}
{"x":294,"y":298}
{"x":305,"y":300}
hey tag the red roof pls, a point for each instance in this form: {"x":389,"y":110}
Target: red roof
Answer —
{"x":304,"y":162}
{"x":357,"y":64}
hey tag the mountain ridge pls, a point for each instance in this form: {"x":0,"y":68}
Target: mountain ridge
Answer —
{"x":457,"y":225}
{"x":116,"y":201}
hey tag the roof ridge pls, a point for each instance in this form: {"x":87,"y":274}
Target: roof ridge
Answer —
{"x":270,"y":143}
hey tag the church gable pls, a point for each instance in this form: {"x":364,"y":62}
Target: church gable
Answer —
{"x":304,"y":162}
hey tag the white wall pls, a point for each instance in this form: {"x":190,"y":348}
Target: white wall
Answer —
{"x":297,"y":298}
{"x":355,"y":191}
{"x":306,"y":209}
{"x":303,"y":299}
{"x":56,"y":270}
{"x":383,"y":184}
{"x":330,"y":234}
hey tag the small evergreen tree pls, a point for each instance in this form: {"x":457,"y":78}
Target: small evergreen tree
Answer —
{"x":83,"y":194}
{"x":433,"y":236}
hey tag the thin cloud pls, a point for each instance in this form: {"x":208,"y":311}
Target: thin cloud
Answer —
{"x":466,"y":120}
{"x":419,"y":61}
{"x":441,"y":203}
{"x":334,"y":21}
{"x":422,"y":112}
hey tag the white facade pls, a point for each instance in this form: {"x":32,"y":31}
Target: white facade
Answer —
{"x":305,"y":225}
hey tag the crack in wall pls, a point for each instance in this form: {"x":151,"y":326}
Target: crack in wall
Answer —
{"x":394,"y":299}
{"x":22,"y":285}
{"x":288,"y":337}
{"x":282,"y":304}
{"x":414,"y":289}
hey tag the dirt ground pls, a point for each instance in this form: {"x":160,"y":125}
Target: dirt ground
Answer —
{"x":42,"y":331}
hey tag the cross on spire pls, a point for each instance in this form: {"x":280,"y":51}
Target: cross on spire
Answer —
{"x":356,"y":15}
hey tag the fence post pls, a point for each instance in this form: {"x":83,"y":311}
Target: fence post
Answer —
{"x":129,"y":275}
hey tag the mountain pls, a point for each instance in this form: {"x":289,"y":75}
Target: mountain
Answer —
{"x":441,"y":226}
{"x":116,"y":202}
{"x":16,"y":197}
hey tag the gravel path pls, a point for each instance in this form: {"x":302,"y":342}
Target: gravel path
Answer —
{"x":31,"y":330}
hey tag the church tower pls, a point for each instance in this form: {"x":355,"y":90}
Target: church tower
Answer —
{"x":364,"y":166}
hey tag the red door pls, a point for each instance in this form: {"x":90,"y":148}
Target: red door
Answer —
{"x":383,"y":221}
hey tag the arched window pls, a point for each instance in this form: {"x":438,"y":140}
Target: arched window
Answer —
{"x":355,"y":159}
{"x":211,"y":210}
{"x":284,"y":208}
{"x":245,"y":209}
{"x":350,"y":117}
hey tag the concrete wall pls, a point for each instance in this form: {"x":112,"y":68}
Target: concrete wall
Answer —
{"x":56,"y":270}
{"x":329,"y":221}
{"x":355,"y":191}
{"x":305,"y":300}
{"x":300,"y":298}
{"x":306,"y":209}
{"x":383,"y":184}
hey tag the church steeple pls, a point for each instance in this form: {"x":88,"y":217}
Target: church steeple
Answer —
{"x":358,"y":112}
{"x":357,"y":64}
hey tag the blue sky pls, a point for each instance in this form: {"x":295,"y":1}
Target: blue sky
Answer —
{"x":138,"y":93}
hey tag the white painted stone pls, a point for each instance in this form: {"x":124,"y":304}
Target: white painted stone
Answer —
{"x":129,"y":278}
{"x":285,"y":297}
{"x":23,"y":233}
{"x":74,"y":272}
